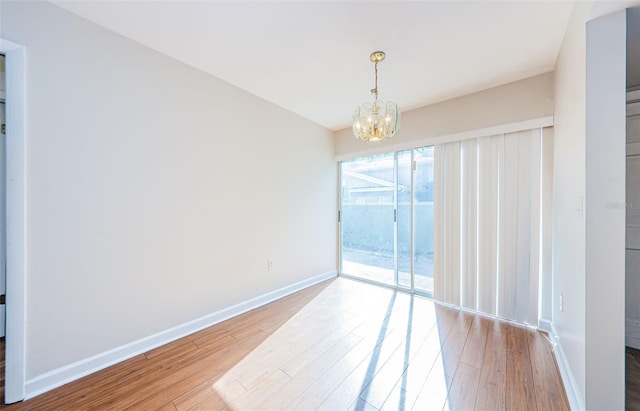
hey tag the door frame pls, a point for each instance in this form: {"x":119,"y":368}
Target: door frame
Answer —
{"x":16,"y":220}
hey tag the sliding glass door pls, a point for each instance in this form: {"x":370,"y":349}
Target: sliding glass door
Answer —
{"x":403,"y":220}
{"x":367,"y":211}
{"x":386,"y":219}
{"x":423,"y":191}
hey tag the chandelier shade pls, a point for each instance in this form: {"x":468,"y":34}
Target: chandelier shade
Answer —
{"x":378,"y":120}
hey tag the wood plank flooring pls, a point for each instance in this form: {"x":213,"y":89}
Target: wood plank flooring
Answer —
{"x":339,"y":345}
{"x":632,"y":397}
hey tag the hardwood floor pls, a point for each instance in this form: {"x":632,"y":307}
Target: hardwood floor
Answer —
{"x":340,"y":345}
{"x":632,"y":397}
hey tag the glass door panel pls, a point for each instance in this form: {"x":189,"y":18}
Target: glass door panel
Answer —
{"x":423,"y":219}
{"x":367,"y":218}
{"x":403,"y":219}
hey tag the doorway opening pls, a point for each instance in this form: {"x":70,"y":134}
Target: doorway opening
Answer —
{"x":3,"y":227}
{"x":15,"y":222}
{"x":3,"y":199}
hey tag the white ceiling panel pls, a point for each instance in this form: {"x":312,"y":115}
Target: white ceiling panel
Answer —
{"x":312,"y":57}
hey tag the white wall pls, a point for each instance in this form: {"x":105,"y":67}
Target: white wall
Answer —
{"x":588,"y":240}
{"x":605,"y":212}
{"x":523,"y":100}
{"x":568,"y":197}
{"x":156,"y":192}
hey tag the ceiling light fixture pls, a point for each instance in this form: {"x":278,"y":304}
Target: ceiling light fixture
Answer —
{"x":379,"y":120}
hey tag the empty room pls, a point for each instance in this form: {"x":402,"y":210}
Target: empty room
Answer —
{"x":332,"y":205}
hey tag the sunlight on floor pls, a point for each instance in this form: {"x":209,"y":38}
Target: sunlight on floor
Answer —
{"x":336,"y":370}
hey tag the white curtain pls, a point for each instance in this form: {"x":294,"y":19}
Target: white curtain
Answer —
{"x":487,"y":224}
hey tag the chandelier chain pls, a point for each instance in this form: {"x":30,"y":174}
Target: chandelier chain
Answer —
{"x":374,"y":90}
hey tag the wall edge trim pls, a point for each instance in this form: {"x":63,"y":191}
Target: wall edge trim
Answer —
{"x":74,"y":371}
{"x":545,"y":325}
{"x":568,"y":379}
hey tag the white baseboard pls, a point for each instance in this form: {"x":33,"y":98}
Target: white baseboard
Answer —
{"x":545,"y":325}
{"x":568,"y":380}
{"x":63,"y":375}
{"x":632,"y":333}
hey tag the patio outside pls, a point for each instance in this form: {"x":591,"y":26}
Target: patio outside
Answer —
{"x":380,"y":268}
{"x":385,"y":215}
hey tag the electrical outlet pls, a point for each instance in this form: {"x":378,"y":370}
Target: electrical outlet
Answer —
{"x":269,"y":264}
{"x":561,"y":303}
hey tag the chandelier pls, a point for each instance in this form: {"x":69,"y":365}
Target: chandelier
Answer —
{"x":379,"y":120}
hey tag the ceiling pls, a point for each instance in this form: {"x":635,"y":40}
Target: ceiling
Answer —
{"x":312,"y":57}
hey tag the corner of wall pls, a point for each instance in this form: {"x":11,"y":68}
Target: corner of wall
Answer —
{"x":568,"y":227}
{"x":568,"y":380}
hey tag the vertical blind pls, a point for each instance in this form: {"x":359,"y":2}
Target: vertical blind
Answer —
{"x":487,"y":224}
